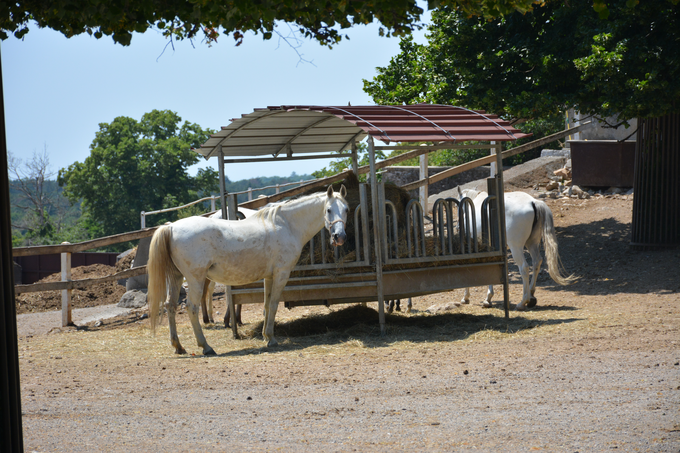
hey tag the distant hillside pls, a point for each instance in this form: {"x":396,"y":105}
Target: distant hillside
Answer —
{"x":66,"y":215}
{"x":263,"y":181}
{"x":60,"y":210}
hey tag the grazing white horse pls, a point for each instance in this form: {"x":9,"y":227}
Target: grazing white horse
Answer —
{"x":207,"y":300}
{"x":527,"y":221}
{"x":265,"y":246}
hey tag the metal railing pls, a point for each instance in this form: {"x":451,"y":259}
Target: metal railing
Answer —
{"x":212,"y":199}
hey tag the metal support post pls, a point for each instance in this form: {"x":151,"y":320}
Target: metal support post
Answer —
{"x":500,"y":193}
{"x":377,"y":222}
{"x":223,"y":188}
{"x":355,"y":159}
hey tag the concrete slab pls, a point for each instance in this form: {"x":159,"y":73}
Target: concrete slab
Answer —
{"x":43,"y":323}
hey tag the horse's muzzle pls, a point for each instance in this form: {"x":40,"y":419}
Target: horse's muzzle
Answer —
{"x":337,"y":239}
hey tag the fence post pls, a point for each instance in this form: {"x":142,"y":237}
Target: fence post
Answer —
{"x":423,"y":192}
{"x":250,"y":194}
{"x":143,"y":215}
{"x":66,"y":319}
{"x":212,"y":204}
{"x":278,"y":188}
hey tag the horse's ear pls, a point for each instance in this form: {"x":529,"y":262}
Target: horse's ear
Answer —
{"x":329,"y":192}
{"x":343,"y":191}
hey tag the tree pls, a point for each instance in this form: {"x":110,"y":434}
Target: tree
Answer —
{"x":137,"y":166}
{"x":29,"y":181}
{"x":560,"y":56}
{"x":528,"y":66}
{"x":318,"y":19}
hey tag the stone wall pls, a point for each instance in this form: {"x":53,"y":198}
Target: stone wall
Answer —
{"x":405,"y":175}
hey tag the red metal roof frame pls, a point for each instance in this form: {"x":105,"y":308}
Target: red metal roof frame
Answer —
{"x":302,"y":129}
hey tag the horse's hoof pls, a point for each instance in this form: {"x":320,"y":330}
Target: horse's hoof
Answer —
{"x":271,"y":343}
{"x":520,"y":308}
{"x":486,"y":304}
{"x":210,"y":351}
{"x":465,"y":301}
{"x":532,"y":302}
{"x":180,"y":350}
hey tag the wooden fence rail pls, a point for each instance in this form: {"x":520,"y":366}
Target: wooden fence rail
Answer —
{"x":79,"y":284}
{"x":65,"y":249}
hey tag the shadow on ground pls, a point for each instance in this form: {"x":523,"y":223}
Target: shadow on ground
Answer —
{"x":599,"y":253}
{"x":358,"y":323}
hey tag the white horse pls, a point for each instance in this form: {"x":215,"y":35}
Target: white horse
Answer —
{"x":527,"y":221}
{"x":265,"y":246}
{"x":207,"y":300}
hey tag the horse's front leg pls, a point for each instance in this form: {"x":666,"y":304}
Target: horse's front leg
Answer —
{"x":171,"y":307}
{"x":466,"y":297}
{"x":489,"y":295}
{"x":196,"y":292}
{"x":272,"y":294}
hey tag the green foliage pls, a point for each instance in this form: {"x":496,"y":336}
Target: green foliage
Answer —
{"x":536,"y":65}
{"x":136,"y":166}
{"x":180,"y":19}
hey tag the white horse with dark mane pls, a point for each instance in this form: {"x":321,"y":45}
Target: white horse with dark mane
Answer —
{"x":527,"y":221}
{"x":265,"y":246}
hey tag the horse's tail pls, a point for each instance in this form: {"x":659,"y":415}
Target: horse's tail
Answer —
{"x":159,"y":267}
{"x":544,"y":221}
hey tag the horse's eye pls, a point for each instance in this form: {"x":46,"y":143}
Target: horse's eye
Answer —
{"x":328,"y":210}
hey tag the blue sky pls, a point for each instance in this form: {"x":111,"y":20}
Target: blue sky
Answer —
{"x":58,"y":90}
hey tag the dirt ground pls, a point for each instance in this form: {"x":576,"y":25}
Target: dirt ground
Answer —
{"x":104,"y":294}
{"x":594,"y":367}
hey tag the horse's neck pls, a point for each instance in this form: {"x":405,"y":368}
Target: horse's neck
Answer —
{"x":305,"y":217}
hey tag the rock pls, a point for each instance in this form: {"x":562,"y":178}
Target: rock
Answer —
{"x":552,"y":195}
{"x":542,"y":195}
{"x":448,"y":307}
{"x":133,"y":299}
{"x":552,"y":185}
{"x":630,"y":192}
{"x":563,"y":173}
{"x":576,"y":190}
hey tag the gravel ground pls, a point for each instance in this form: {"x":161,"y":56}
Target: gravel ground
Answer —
{"x":595,"y":367}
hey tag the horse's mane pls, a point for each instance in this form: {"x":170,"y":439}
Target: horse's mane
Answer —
{"x":269,"y":213}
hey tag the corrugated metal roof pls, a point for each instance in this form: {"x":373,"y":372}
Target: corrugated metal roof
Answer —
{"x":301,"y":129}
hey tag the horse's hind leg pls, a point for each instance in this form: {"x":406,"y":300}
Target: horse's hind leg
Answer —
{"x":536,"y":261}
{"x":206,"y":301}
{"x":227,"y":316}
{"x":518,"y":256}
{"x":175,"y":283}
{"x":409,"y":306}
{"x":196,"y":292}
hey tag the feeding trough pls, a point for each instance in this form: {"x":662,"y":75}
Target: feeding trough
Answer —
{"x":392,"y":255}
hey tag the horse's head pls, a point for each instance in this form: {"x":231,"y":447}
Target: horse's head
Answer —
{"x":336,"y":211}
{"x":470,"y":193}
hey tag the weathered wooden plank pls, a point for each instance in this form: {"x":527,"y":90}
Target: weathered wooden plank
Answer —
{"x":82,"y":246}
{"x":79,"y":284}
